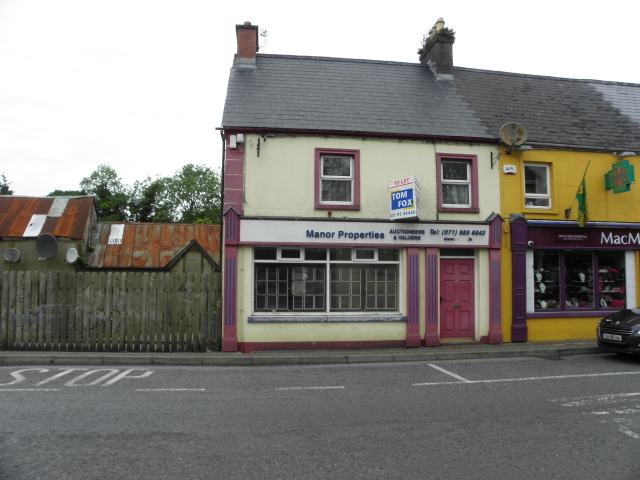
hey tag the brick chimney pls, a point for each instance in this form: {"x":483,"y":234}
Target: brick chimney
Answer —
{"x":438,"y":54}
{"x":247,"y":36}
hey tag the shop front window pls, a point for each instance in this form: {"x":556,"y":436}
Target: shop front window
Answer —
{"x":578,"y":274}
{"x":575,"y":280}
{"x":326,"y":280}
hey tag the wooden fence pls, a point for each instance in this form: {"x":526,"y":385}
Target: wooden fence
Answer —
{"x":110,"y":311}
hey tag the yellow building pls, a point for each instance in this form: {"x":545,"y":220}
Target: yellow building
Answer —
{"x":566,"y":276}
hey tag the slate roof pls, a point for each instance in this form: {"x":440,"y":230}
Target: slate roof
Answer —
{"x":392,"y":98}
{"x":558,"y":111}
{"x":28,"y":217}
{"x":151,"y":245}
{"x":317,"y":93}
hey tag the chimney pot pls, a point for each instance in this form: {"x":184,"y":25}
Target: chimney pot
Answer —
{"x":247,"y":36}
{"x":438,"y":54}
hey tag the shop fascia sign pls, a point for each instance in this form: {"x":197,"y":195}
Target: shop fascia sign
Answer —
{"x":587,"y":238}
{"x":404,"y":199}
{"x":257,"y":231}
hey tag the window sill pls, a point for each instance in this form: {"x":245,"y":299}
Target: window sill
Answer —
{"x":325,"y":206}
{"x":541,"y":211}
{"x":572,"y":313}
{"x":326,"y":318}
{"x":459,"y":210}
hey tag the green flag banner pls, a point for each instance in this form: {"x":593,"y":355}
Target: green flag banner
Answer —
{"x":583,"y":204}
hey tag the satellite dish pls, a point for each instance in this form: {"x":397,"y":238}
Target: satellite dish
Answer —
{"x":11,"y":255}
{"x":72,"y":255}
{"x":47,"y":246}
{"x":513,"y":134}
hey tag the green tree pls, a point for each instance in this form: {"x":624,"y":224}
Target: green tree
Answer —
{"x":67,"y":193}
{"x":112,"y":196}
{"x":194,"y":194}
{"x":148,"y":202}
{"x":4,"y":185}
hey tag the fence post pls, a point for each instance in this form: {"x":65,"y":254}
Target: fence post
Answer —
{"x":4,"y":310}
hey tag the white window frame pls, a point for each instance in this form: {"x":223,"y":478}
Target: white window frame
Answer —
{"x":349,"y":178}
{"x":466,"y":182}
{"x":373,"y":259}
{"x":282,"y":258}
{"x":328,"y":265}
{"x":538,"y":196}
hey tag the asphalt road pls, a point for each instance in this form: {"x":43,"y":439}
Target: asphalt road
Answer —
{"x":520,"y":418}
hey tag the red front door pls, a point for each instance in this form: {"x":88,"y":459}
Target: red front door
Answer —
{"x":457,"y":298}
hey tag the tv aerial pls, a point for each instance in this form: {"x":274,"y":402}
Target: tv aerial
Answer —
{"x":264,"y":34}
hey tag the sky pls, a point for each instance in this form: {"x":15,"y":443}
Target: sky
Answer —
{"x":139,"y":85}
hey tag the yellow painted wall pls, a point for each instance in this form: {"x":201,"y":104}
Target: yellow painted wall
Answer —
{"x":566,"y":170}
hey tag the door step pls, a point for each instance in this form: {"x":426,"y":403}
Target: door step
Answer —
{"x":457,"y":341}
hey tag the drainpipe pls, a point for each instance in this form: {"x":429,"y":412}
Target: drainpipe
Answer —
{"x":222,"y":196}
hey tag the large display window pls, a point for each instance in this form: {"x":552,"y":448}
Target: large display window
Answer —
{"x":579,"y":280}
{"x":297,"y":279}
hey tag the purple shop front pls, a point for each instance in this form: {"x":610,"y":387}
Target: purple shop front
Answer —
{"x":564,"y":271}
{"x":594,"y":238}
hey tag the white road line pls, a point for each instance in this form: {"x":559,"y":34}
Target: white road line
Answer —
{"x":451,"y":374}
{"x":622,"y":411}
{"x":594,"y":399}
{"x":170,"y":390}
{"x":307,"y":388}
{"x":29,"y":389}
{"x":527,"y":379}
{"x":625,"y":429}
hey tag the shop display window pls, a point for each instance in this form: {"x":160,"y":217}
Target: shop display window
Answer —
{"x":325,"y":279}
{"x":579,"y":280}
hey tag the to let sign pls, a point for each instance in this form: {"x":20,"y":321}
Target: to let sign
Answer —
{"x":404,"y":199}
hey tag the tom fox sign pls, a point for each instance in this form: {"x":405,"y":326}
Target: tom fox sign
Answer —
{"x":404,"y":199}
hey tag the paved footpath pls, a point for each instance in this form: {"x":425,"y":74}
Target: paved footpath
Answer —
{"x":303,"y":357}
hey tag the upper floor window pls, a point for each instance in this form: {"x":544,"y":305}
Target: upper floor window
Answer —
{"x":337,"y":179}
{"x":537,"y":191}
{"x":457,"y":183}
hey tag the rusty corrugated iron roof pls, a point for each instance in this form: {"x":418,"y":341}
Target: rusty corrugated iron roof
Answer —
{"x":150,"y":245}
{"x":65,"y":217}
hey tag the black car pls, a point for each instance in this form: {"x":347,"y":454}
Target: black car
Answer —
{"x":620,"y":331}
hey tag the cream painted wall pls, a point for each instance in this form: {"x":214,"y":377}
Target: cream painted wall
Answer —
{"x":483,"y":293}
{"x":307,"y":332}
{"x":280,"y":181}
